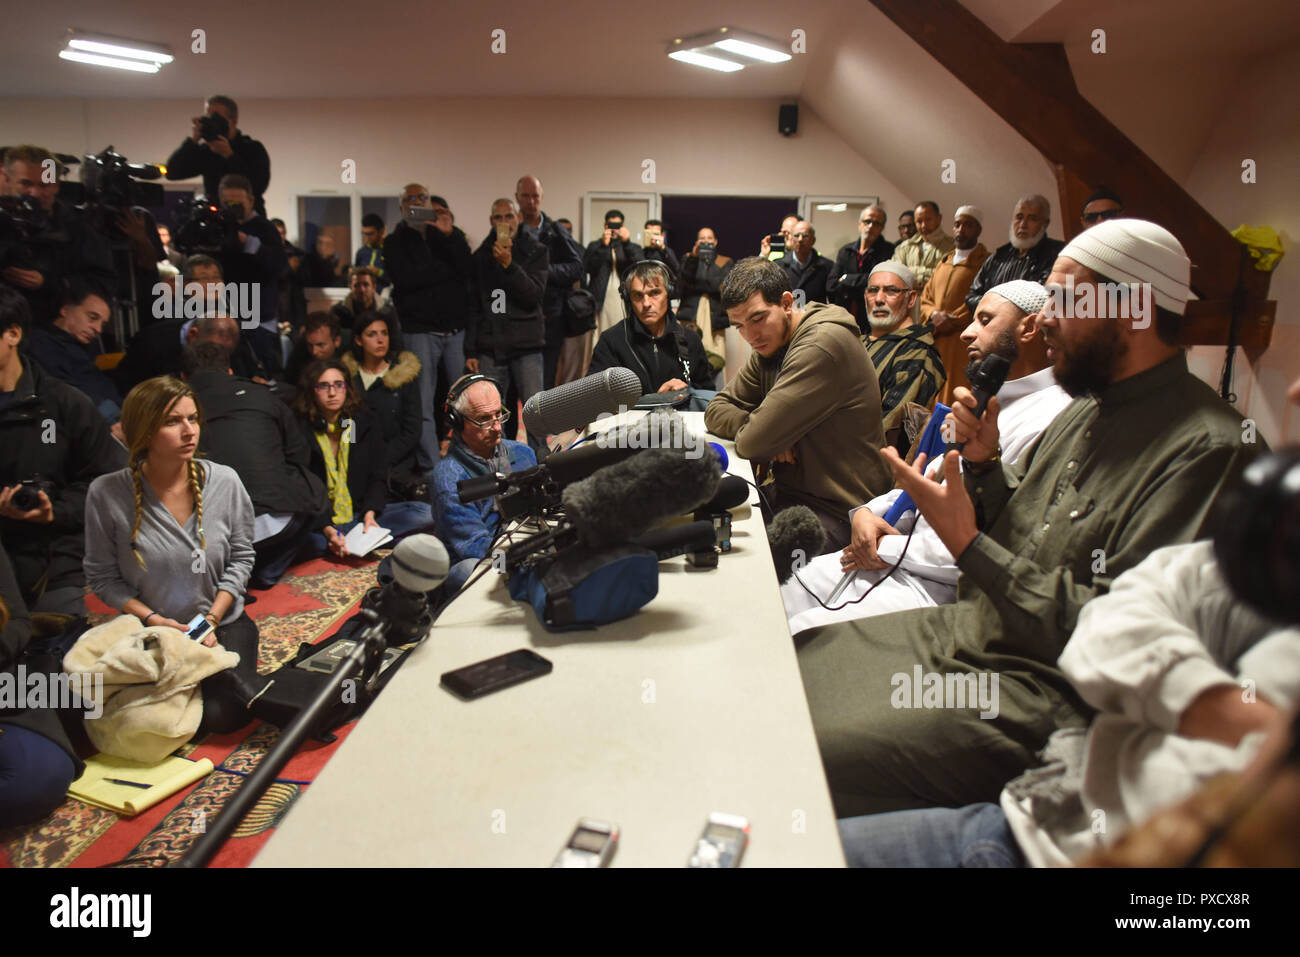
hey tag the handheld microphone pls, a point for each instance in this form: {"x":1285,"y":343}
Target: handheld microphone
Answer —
{"x":985,"y":381}
{"x":796,"y":534}
{"x":419,"y":564}
{"x":577,"y":404}
{"x":629,"y":498}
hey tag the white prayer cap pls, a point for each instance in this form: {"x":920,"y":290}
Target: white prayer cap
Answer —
{"x":1024,"y":294}
{"x":898,"y":269}
{"x":971,"y":211}
{"x":1134,"y":250}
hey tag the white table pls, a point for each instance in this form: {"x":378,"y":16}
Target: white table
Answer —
{"x":692,"y":705}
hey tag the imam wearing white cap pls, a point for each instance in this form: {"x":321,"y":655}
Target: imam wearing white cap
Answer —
{"x":1134,"y":463}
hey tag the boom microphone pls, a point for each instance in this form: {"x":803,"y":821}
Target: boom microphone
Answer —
{"x":985,"y":381}
{"x":629,"y":498}
{"x":576,"y":404}
{"x":796,"y":534}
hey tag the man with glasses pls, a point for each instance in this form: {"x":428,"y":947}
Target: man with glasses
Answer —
{"x":1102,"y":205}
{"x":853,"y":265}
{"x":808,"y":269}
{"x":429,"y":263}
{"x":907,"y":363}
{"x":478,"y":447}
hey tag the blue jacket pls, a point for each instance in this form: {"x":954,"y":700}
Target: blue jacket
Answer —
{"x":468,"y":530}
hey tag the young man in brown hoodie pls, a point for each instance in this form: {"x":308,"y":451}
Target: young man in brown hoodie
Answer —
{"x":807,"y":402}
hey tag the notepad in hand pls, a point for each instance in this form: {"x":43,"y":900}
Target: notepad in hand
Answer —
{"x":360,"y":542}
{"x":129,"y":787}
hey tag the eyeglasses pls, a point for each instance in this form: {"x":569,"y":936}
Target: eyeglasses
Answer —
{"x":501,"y":417}
{"x":890,"y":291}
{"x":331,"y":387}
{"x":1103,"y":215}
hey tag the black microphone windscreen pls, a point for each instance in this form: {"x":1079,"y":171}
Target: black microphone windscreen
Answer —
{"x":624,"y":500}
{"x":577,"y":404}
{"x":796,"y":536}
{"x":572,"y":465}
{"x":733,"y":492}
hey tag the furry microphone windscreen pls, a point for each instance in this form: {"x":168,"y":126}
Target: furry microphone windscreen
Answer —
{"x":625,"y":500}
{"x":797,"y":537}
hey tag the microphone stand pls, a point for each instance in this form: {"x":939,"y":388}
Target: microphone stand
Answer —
{"x":364,"y":658}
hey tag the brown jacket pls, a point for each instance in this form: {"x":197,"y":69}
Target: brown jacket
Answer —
{"x":946,"y":292}
{"x":821,"y":398}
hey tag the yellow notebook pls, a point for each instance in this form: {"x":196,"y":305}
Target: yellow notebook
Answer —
{"x":149,"y":783}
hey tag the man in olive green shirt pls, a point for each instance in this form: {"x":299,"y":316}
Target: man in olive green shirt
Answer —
{"x":942,"y":706}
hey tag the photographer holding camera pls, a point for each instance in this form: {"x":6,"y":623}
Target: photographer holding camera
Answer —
{"x":55,"y":444}
{"x":216,"y":147}
{"x":44,"y":240}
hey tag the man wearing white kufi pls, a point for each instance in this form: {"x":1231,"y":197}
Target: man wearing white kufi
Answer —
{"x":1005,"y":324}
{"x":1134,"y":463}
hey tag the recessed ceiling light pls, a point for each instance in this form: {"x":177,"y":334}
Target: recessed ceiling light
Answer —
{"x":717,"y":49}
{"x":695,"y":58}
{"x":116,"y":52}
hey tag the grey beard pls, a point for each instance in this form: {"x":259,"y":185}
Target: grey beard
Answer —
{"x":1027,"y":243}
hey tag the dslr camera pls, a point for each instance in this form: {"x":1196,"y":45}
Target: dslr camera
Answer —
{"x":213,"y":125}
{"x":27,"y":496}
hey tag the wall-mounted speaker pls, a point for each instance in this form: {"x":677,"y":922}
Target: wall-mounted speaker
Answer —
{"x":787,"y":120}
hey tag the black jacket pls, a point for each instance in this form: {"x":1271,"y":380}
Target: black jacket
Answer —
{"x":394,"y":398}
{"x":812,"y":279}
{"x":668,"y":258}
{"x":697,"y":279}
{"x":597,"y":262}
{"x":520,"y":328}
{"x":264,"y":266}
{"x":79,"y":451}
{"x":63,"y":246}
{"x":565,"y":269}
{"x":14,"y":639}
{"x":655,"y":361}
{"x":63,"y":357}
{"x":249,"y":429}
{"x":847,"y":284}
{"x":248,"y":158}
{"x":156,"y":350}
{"x":366,"y":470}
{"x":432,"y":278}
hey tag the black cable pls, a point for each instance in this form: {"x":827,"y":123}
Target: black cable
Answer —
{"x":892,"y":569}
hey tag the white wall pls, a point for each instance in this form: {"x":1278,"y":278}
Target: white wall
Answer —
{"x":473,"y":150}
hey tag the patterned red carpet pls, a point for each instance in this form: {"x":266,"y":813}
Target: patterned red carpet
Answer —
{"x":310,"y":603}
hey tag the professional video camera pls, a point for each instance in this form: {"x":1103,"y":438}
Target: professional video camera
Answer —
{"x":204,"y":227}
{"x":21,"y":217}
{"x":110,"y":180}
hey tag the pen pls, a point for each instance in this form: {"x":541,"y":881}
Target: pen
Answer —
{"x":134,"y":784}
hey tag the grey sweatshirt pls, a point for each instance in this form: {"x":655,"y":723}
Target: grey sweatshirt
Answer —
{"x":178,"y":581}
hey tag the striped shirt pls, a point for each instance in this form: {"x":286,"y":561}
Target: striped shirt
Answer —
{"x":909,"y":369}
{"x":1007,"y":264}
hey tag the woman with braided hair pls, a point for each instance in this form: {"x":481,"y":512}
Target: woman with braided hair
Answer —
{"x":170,"y":537}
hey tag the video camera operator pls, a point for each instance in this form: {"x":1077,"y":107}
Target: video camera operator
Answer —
{"x":216,"y":147}
{"x":44,"y":240}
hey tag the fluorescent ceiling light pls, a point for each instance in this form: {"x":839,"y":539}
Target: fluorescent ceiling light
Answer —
{"x":695,"y":58}
{"x":119,"y":53}
{"x":833,"y":207}
{"x":752,"y":50}
{"x":119,"y":50}
{"x":138,"y":66}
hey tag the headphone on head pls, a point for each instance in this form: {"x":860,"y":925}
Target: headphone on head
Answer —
{"x":661,"y":270}
{"x":456,"y":421}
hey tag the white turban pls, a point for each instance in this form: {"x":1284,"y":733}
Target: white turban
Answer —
{"x":898,"y":269}
{"x":1134,"y":250}
{"x":971,"y":211}
{"x":1024,"y":294}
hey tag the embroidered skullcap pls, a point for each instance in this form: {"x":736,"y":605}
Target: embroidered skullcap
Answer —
{"x":972,"y":211}
{"x":1026,"y":295}
{"x":1134,"y":250}
{"x":898,"y":269}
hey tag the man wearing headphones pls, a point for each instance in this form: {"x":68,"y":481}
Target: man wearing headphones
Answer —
{"x":664,"y":354}
{"x":478,"y":447}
